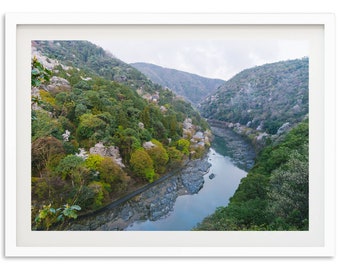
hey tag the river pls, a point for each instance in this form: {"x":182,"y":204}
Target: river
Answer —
{"x":191,"y":209}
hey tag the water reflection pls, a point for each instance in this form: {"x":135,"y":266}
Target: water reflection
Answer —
{"x":191,"y":209}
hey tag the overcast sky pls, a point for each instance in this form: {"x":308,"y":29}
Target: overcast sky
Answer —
{"x":213,"y":59}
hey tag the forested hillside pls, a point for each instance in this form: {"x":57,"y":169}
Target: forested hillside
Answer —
{"x":269,"y":105}
{"x":100,"y":128}
{"x":190,"y":86}
{"x":274,"y":194}
{"x":263,"y":98}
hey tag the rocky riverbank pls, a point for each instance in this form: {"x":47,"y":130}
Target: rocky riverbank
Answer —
{"x":155,"y":203}
{"x":235,"y":146}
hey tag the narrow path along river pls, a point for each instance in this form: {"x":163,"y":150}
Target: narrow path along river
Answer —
{"x":186,"y":197}
{"x":191,"y":209}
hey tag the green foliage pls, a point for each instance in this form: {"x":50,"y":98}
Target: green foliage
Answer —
{"x":49,"y":216}
{"x":142,"y":165}
{"x":289,"y":192}
{"x":88,"y":125}
{"x":183,"y":145}
{"x":111,"y":173}
{"x":251,"y":187}
{"x":71,"y":167}
{"x":69,"y":211}
{"x":93,"y":162}
{"x":126,"y":143}
{"x":274,"y":194}
{"x":158,"y":155}
{"x":39,"y":74}
{"x":150,"y":174}
{"x":101,"y":192}
{"x":40,"y":188}
{"x":44,"y":125}
{"x":175,"y":156}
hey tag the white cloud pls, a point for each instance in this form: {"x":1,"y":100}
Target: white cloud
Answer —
{"x":209,"y":58}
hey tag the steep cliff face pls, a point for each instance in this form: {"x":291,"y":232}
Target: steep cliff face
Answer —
{"x":190,"y":86}
{"x":267,"y":98}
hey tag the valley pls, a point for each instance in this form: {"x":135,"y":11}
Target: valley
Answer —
{"x":141,"y":147}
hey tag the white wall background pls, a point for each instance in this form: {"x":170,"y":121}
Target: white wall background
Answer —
{"x":234,"y":6}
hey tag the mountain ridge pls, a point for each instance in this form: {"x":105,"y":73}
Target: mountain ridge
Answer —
{"x":191,"y":86}
{"x":263,"y":97}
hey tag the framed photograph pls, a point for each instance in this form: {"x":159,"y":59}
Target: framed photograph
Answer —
{"x":156,"y":135}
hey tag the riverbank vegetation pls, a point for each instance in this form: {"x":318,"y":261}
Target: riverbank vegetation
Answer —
{"x":274,"y":194}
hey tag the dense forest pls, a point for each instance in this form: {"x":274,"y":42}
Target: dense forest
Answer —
{"x":262,"y":98}
{"x":100,"y":129}
{"x":274,"y":194}
{"x":192,"y":87}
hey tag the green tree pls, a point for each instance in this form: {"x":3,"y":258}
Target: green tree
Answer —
{"x":80,"y":109}
{"x":88,"y":125}
{"x":112,"y":174}
{"x":183,"y":145}
{"x":73,"y":168}
{"x":101,"y":193}
{"x":44,"y":125}
{"x":93,"y":162}
{"x":145,"y":117}
{"x":158,"y":155}
{"x":288,"y":196}
{"x":142,"y":165}
{"x":175,"y":156}
{"x":127,"y":142}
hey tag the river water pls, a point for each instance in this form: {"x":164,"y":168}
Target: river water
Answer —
{"x":189,"y":210}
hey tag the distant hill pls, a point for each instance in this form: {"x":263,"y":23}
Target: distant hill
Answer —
{"x":190,"y":86}
{"x":94,"y":60}
{"x":263,"y":98}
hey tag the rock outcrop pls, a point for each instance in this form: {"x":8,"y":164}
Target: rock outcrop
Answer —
{"x":108,"y":151}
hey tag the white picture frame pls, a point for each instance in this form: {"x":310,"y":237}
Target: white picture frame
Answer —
{"x":20,"y":241}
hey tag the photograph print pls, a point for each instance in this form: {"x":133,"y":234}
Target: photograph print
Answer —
{"x":170,"y":135}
